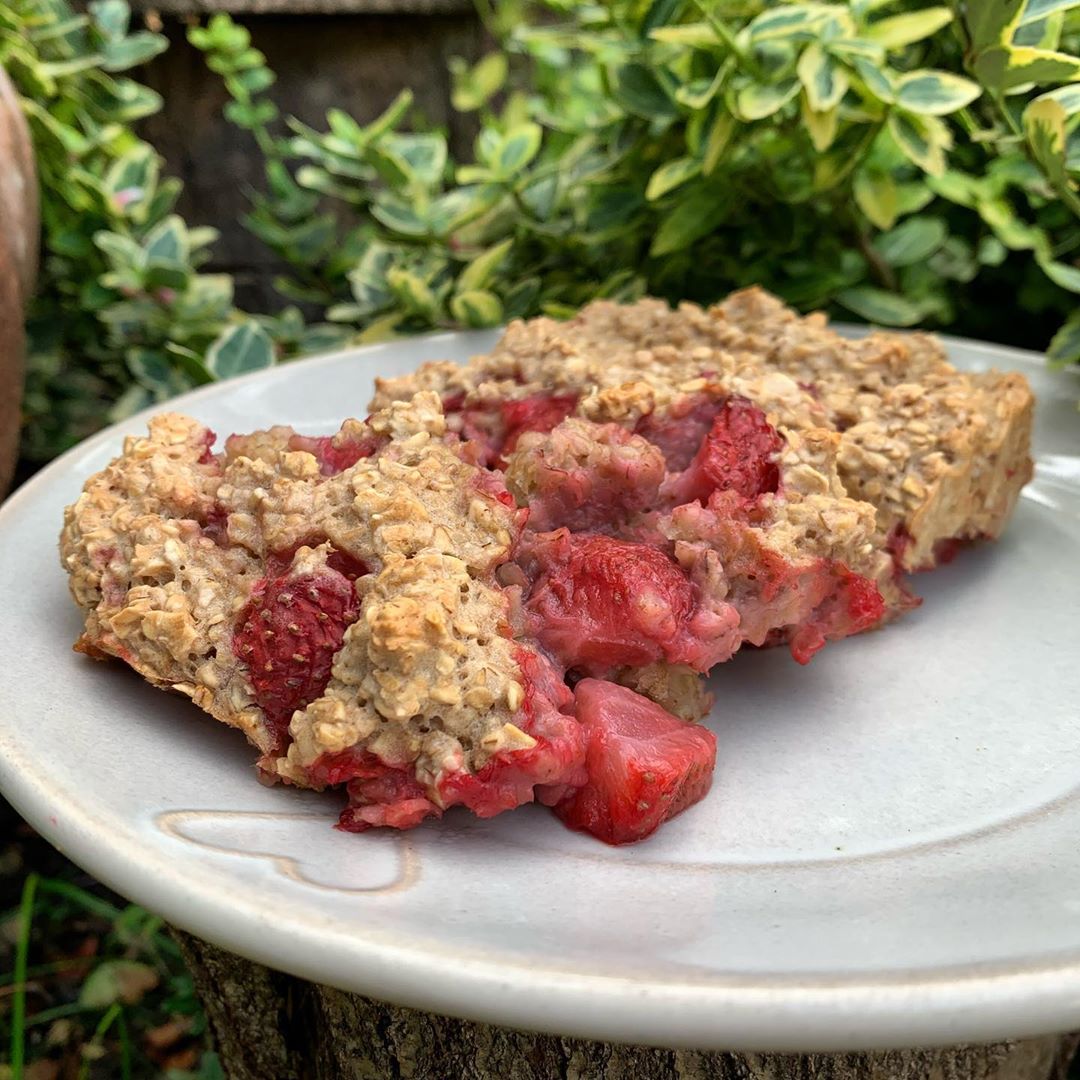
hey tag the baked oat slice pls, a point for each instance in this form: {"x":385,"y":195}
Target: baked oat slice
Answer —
{"x":940,"y":454}
{"x":658,"y":422}
{"x":337,"y":600}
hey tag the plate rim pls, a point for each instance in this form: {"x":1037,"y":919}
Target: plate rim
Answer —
{"x":976,"y":1001}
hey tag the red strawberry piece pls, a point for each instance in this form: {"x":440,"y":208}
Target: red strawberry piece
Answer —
{"x":644,"y":765}
{"x":599,"y":603}
{"x":287,"y":636}
{"x":547,"y":770}
{"x":680,"y":430}
{"x":498,"y":426}
{"x":207,"y":455}
{"x":335,"y":453}
{"x":738,"y":455}
{"x":383,"y":793}
{"x":541,"y":412}
{"x":853,"y":604}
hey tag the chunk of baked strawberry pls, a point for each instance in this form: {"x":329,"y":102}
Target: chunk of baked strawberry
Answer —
{"x":584,"y":476}
{"x":599,"y":603}
{"x":335,"y":453}
{"x":548,"y":762}
{"x":287,"y":635}
{"x":738,"y":455}
{"x":853,"y":605}
{"x":644,"y":765}
{"x":496,"y":427}
{"x":541,"y":412}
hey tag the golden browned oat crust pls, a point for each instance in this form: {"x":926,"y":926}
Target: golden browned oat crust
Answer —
{"x":940,"y":454}
{"x":426,"y":673}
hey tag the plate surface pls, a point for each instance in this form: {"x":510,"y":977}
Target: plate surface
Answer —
{"x":888,"y":856}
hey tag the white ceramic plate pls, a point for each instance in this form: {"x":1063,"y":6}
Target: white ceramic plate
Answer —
{"x":888,"y":856}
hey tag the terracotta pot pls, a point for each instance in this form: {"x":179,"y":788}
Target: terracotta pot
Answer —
{"x":18,"y":265}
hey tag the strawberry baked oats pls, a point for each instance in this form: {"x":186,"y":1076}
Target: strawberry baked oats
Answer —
{"x":507,"y":583}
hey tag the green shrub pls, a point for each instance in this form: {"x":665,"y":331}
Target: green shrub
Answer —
{"x":906,"y":165}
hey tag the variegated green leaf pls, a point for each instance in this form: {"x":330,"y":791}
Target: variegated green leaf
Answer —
{"x":479,"y":273}
{"x":923,"y":139}
{"x":875,"y":195}
{"x":1068,"y":97}
{"x":1065,"y":344}
{"x":239,"y":350}
{"x":990,"y":22}
{"x":759,"y":100}
{"x":477,"y":308}
{"x":898,"y":31}
{"x":820,"y":125}
{"x":911,"y":241}
{"x":879,"y":306}
{"x":716,"y":142}
{"x":1005,"y":66}
{"x":670,"y":175}
{"x":824,"y":81}
{"x":1039,"y":9}
{"x":787,"y":20}
{"x":935,"y":93}
{"x":697,"y":35}
{"x":876,"y":80}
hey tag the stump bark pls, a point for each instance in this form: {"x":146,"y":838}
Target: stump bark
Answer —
{"x":271,"y":1026}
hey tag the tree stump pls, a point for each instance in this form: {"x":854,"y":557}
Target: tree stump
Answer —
{"x":271,"y":1026}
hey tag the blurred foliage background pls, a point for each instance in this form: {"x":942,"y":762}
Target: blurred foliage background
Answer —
{"x":887,"y":161}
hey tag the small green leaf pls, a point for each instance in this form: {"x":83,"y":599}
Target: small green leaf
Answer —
{"x":477,"y":308}
{"x":636,"y":88}
{"x":923,"y":139}
{"x":786,"y":21}
{"x":517,"y":148}
{"x":698,"y":93}
{"x":879,"y":306}
{"x":820,"y":125}
{"x":1068,"y":97}
{"x":670,"y":176}
{"x":117,"y":982}
{"x":935,"y":93}
{"x":1034,"y":10}
{"x":898,"y":31}
{"x":989,"y":23}
{"x":473,"y":87}
{"x":399,"y":217}
{"x":759,"y":100}
{"x":167,"y":242}
{"x":1006,"y":66}
{"x":876,"y":79}
{"x":716,"y":142}
{"x":1015,"y":233}
{"x":957,"y":187}
{"x":875,"y":195}
{"x":824,"y":81}
{"x":696,"y":215}
{"x":111,"y":17}
{"x":240,"y":349}
{"x":123,"y":53}
{"x":1063,"y":274}
{"x":1065,"y":344}
{"x":911,"y":241}
{"x":412,"y":292}
{"x":478,"y":274}
{"x":698,"y":35}
{"x":1044,"y":123}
